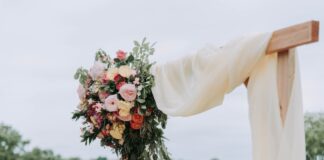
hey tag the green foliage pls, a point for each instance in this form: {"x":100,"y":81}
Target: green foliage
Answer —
{"x":314,"y":128}
{"x":82,"y":75}
{"x":11,"y":143}
{"x":12,"y":147}
{"x":141,"y":52}
{"x":101,"y":158}
{"x":39,"y":154}
{"x":102,"y":56}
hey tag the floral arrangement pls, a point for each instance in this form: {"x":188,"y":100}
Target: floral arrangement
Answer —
{"x":117,"y":105}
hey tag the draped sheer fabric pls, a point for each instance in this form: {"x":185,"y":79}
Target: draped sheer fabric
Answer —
{"x":199,"y":82}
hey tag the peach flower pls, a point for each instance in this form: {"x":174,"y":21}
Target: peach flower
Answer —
{"x":125,"y":71}
{"x":117,"y":130}
{"x":124,"y":108}
{"x":125,"y":118}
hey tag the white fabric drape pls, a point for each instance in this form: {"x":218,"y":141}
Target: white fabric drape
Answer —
{"x":199,"y":82}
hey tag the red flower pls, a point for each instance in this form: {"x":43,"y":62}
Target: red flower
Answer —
{"x":137,"y":121}
{"x":137,"y":118}
{"x":136,"y":125}
{"x":105,"y":132}
{"x":121,"y":55}
{"x":119,"y":85}
{"x":118,"y":78}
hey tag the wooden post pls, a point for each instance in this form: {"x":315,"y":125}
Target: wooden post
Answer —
{"x":282,"y":42}
{"x":285,"y":77}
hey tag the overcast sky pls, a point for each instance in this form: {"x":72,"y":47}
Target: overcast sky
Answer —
{"x":43,"y":42}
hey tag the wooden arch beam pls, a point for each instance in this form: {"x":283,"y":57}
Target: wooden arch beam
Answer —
{"x":282,"y":42}
{"x":293,"y":36}
{"x":286,"y":38}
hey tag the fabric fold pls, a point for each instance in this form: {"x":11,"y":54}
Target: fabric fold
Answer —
{"x":199,"y":82}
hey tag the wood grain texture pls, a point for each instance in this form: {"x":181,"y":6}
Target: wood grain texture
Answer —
{"x":293,"y":36}
{"x":285,"y":80}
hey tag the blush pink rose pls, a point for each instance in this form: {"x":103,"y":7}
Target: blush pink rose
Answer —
{"x":128,"y":92}
{"x":81,"y":92}
{"x":121,"y":55}
{"x":111,"y":103}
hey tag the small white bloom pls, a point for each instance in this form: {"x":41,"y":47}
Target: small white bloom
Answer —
{"x":90,"y":101}
{"x":136,"y":81}
{"x":140,"y":87}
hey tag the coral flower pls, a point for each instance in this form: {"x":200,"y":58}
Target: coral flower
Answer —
{"x":137,"y":118}
{"x":136,"y":125}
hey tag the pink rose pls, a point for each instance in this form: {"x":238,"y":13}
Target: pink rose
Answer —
{"x":128,"y":92}
{"x":81,"y":92}
{"x":97,"y":70}
{"x":121,"y":55}
{"x":111,"y":103}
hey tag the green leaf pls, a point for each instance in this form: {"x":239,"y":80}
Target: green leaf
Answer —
{"x":76,"y":75}
{"x":116,"y":60}
{"x":130,"y":59}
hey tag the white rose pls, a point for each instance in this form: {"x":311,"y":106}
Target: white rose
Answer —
{"x":111,"y":103}
{"x":111,"y":73}
{"x":125,"y":71}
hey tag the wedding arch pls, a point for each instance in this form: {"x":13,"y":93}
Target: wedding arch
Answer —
{"x":125,"y":101}
{"x":267,"y":64}
{"x":282,"y":41}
